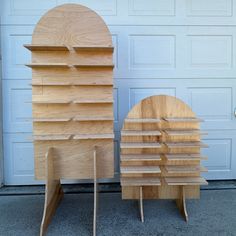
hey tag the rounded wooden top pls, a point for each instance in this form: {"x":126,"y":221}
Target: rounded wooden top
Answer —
{"x":161,"y":106}
{"x":72,"y":25}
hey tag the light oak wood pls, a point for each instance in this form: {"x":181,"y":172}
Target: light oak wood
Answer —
{"x":175,"y":151}
{"x":53,"y":192}
{"x":186,"y":181}
{"x":149,"y":181}
{"x":40,"y":47}
{"x":72,"y":81}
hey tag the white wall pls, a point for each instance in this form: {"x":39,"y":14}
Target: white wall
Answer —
{"x":185,"y":48}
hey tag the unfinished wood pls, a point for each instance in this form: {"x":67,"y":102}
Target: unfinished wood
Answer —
{"x":43,"y":119}
{"x":181,"y":203}
{"x":84,"y":101}
{"x":140,"y":157}
{"x":185,"y":169}
{"x":140,"y":169}
{"x":140,"y":133}
{"x":186,"y":144}
{"x":185,"y":181}
{"x":90,"y":118}
{"x":142,"y":120}
{"x":140,"y":145}
{"x":147,"y":181}
{"x":52,"y":137}
{"x":47,"y":100}
{"x":93,"y":48}
{"x":185,"y":157}
{"x":179,"y":152}
{"x":93,"y":66}
{"x":95,"y":183}
{"x":182,"y":119}
{"x":141,"y":203}
{"x":94,"y":136}
{"x":53,"y":192}
{"x":40,"y":47}
{"x":50,"y":65}
{"x":185,"y":132}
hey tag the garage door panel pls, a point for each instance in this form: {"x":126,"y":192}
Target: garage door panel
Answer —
{"x":221,"y":163}
{"x":19,"y":164}
{"x":14,"y":55}
{"x":17,"y":106}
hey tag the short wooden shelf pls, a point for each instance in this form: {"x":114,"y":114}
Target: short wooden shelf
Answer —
{"x":140,"y":157}
{"x":48,"y":65}
{"x":93,"y":136}
{"x":185,"y":181}
{"x":45,"y":100}
{"x":66,"y":119}
{"x":52,"y":137}
{"x":185,"y":157}
{"x":94,"y":66}
{"x":140,"y":170}
{"x":71,"y":84}
{"x":84,"y":101}
{"x":39,"y":47}
{"x":186,"y":144}
{"x":140,"y":145}
{"x":135,"y":181}
{"x":184,"y":132}
{"x":93,"y":48}
{"x":143,"y":120}
{"x":140,"y":133}
{"x":182,"y":119}
{"x":185,"y":169}
{"x":90,"y":118}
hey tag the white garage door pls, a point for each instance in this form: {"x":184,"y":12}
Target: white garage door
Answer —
{"x":184,"y":48}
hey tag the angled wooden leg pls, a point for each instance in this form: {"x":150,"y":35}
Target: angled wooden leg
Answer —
{"x":181,"y":203}
{"x":53,"y":192}
{"x":141,"y":203}
{"x":95,"y":191}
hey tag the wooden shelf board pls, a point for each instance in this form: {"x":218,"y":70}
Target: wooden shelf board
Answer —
{"x":93,"y":136}
{"x":66,"y":119}
{"x":84,"y":101}
{"x":147,"y":181}
{"x":182,"y":119}
{"x":140,"y":145}
{"x":52,"y":65}
{"x":38,"y":47}
{"x":140,"y":170}
{"x":90,"y":118}
{"x":185,"y":181}
{"x":186,"y":144}
{"x":140,"y":133}
{"x":185,"y":157}
{"x":140,"y":157}
{"x":52,"y":137}
{"x":185,"y":169}
{"x":43,"y":100}
{"x":184,"y":132}
{"x":71,"y":84}
{"x":142,"y":120}
{"x":94,"y":66}
{"x":94,"y":48}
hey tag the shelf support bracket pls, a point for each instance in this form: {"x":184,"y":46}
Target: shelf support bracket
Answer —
{"x":53,"y":191}
{"x":181,"y":203}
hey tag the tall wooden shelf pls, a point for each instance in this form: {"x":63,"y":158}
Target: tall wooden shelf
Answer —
{"x":161,"y":132}
{"x":72,"y":86}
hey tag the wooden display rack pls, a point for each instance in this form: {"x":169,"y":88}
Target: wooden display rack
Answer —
{"x":161,"y":152}
{"x":72,"y":86}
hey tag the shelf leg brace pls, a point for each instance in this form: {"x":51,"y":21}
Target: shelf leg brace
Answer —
{"x":141,"y":203}
{"x":95,"y":209}
{"x":181,"y":203}
{"x":53,"y":192}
